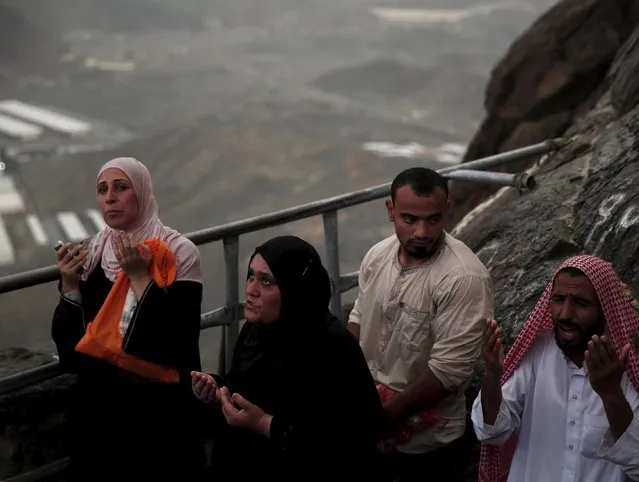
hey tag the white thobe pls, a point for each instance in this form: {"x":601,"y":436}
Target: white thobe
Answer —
{"x":563,"y":431}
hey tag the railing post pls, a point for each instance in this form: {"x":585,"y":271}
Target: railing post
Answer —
{"x":221,"y":352}
{"x":232,"y":297}
{"x":331,"y":241}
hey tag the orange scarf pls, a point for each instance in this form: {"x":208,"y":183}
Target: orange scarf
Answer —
{"x":103,"y":339}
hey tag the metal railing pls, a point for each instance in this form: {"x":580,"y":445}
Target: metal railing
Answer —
{"x":229,"y":316}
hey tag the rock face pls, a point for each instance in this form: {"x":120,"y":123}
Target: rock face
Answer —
{"x":584,"y":88}
{"x":552,"y":75}
{"x":32,"y":420}
{"x":587,"y":201}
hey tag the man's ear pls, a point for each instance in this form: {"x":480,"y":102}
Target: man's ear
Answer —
{"x":390,"y":208}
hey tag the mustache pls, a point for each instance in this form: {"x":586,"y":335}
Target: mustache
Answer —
{"x":567,"y":325}
{"x":421,"y":241}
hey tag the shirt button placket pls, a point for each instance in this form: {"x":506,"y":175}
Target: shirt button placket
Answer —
{"x":572,"y":430}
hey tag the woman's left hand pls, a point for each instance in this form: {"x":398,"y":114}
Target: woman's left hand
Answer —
{"x":134,"y":259}
{"x":239,"y":412}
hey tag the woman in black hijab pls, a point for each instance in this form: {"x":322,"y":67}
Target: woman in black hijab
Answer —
{"x":299,"y":401}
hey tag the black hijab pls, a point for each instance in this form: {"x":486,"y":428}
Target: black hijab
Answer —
{"x":300,"y":369}
{"x":304,"y":284}
{"x":263,"y":349}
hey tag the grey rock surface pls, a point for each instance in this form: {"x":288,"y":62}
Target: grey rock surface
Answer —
{"x":550,"y":77}
{"x":32,"y":420}
{"x":587,"y":201}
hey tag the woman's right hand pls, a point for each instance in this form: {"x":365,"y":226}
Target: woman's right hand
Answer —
{"x":70,"y":259}
{"x":205,"y":387}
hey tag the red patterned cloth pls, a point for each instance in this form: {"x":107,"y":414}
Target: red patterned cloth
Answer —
{"x":417,"y":423}
{"x":622,"y":324}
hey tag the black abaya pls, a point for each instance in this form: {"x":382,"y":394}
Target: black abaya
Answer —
{"x":308,"y":372}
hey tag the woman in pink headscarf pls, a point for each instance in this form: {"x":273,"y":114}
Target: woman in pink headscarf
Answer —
{"x":126,"y":426}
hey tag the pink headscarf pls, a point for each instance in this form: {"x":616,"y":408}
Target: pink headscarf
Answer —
{"x":147,"y":226}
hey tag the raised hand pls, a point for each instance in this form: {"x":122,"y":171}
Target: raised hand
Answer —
{"x":70,"y":260}
{"x":205,"y":387}
{"x":492,"y":351}
{"x":239,"y":412}
{"x":492,"y":348}
{"x":605,"y":366}
{"x":134,"y":259}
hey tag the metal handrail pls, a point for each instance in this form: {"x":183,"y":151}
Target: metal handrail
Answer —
{"x":47,"y":274}
{"x":230,"y":232}
{"x":228,"y":316}
{"x":41,"y":472}
{"x":214,"y":318}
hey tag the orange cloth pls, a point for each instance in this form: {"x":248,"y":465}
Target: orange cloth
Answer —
{"x":103,"y":339}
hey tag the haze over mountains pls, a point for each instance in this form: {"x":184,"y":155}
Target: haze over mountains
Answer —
{"x":238,"y":108}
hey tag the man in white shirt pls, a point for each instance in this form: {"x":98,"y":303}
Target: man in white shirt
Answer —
{"x":563,"y":405}
{"x":419,"y":315}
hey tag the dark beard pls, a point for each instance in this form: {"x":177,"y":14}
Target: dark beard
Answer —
{"x":423,"y":252}
{"x":419,"y":252}
{"x":582,"y":345}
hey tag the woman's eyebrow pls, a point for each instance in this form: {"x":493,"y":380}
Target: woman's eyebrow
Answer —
{"x":112,"y":180}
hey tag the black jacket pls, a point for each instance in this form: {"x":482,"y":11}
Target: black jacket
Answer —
{"x":327,"y":415}
{"x":123,"y":427}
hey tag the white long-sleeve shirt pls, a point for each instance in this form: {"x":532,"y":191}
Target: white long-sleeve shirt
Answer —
{"x":563,"y":431}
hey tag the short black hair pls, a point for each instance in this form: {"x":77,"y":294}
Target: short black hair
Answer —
{"x":423,"y":181}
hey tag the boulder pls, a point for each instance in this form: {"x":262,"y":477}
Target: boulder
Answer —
{"x":551,"y":76}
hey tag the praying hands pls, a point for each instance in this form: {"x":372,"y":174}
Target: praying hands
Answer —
{"x":239,"y":412}
{"x":205,"y":387}
{"x":134,"y":258}
{"x":605,"y":367}
{"x":605,"y":370}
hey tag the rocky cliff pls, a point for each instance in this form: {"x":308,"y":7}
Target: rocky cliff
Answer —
{"x":549,"y":79}
{"x":587,"y":199}
{"x":573,"y":73}
{"x":32,"y":420}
